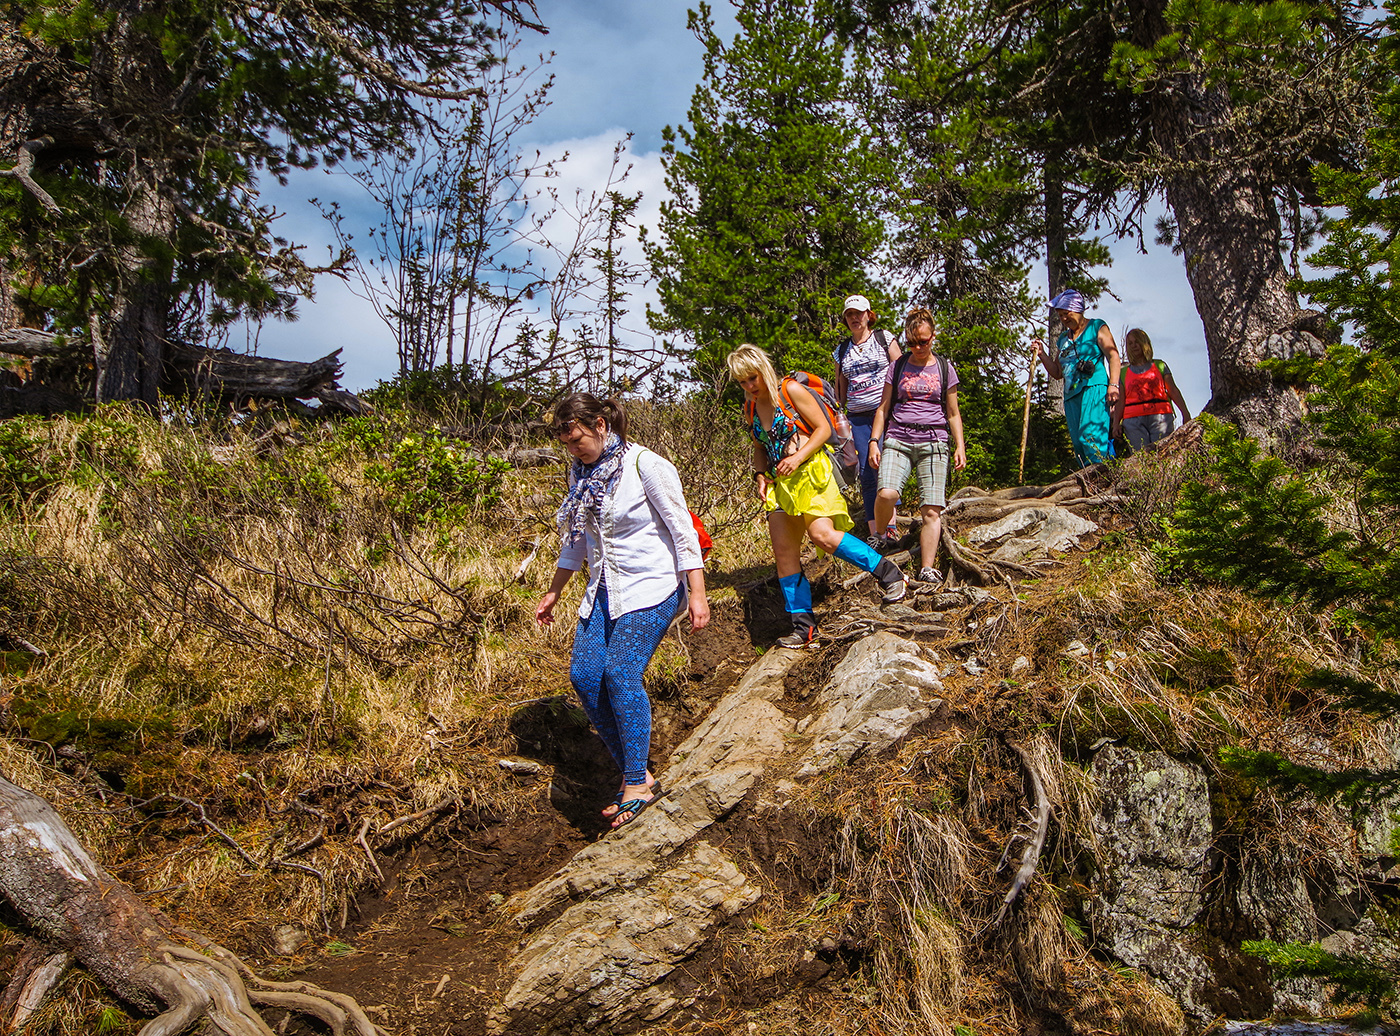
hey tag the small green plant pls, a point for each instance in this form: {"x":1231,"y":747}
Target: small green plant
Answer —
{"x":111,"y":1020}
{"x":429,"y":480}
{"x":1356,"y":980}
{"x":26,"y":474}
{"x":336,"y":948}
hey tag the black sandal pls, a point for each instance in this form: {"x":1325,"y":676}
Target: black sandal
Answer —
{"x":633,"y":808}
{"x":616,"y":804}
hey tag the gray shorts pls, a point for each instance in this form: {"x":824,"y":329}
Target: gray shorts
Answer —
{"x":1147,"y":429}
{"x":928,"y":461}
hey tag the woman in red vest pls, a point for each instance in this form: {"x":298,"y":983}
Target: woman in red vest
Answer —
{"x":1144,"y":410}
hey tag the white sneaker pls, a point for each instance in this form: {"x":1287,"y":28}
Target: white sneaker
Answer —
{"x":930,"y":575}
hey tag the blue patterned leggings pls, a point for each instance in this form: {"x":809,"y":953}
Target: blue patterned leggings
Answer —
{"x":606,"y":670}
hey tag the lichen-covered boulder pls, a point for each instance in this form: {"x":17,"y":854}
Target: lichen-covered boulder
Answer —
{"x":1153,"y":831}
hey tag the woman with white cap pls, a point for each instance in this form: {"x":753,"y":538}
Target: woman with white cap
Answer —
{"x":1091,"y":393}
{"x":862,"y":361}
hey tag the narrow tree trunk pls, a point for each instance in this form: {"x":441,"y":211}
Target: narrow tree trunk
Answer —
{"x":129,"y":367}
{"x":1054,"y":268}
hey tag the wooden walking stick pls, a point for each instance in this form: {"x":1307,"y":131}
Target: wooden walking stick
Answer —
{"x":1026,"y":415}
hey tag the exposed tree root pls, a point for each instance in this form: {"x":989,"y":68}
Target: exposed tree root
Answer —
{"x":1033,"y":833}
{"x":72,"y":906}
{"x":36,"y":973}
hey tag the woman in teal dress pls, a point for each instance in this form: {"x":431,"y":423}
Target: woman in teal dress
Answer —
{"x":1091,"y":391}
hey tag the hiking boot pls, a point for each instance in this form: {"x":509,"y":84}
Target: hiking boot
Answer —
{"x":878,"y":543}
{"x":804,"y":632}
{"x":930,"y":575}
{"x":891,"y":580}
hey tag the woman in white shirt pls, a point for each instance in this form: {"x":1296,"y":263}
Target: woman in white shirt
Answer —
{"x":625,"y":513}
{"x":862,"y":361}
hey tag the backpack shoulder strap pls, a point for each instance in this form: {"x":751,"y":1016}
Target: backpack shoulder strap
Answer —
{"x":899,"y":366}
{"x":841,"y":351}
{"x":789,"y":407}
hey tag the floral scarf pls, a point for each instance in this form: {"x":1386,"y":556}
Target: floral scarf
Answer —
{"x":592,"y":484}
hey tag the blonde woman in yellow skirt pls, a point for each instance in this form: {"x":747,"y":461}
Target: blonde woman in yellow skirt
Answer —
{"x":794,"y":477}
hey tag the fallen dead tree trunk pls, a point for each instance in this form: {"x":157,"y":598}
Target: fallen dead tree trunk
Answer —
{"x":71,"y":905}
{"x":193,"y":371}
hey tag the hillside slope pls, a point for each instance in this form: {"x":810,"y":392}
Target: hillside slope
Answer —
{"x":311,"y":645}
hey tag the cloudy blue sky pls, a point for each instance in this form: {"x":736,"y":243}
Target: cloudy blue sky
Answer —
{"x":629,"y":66}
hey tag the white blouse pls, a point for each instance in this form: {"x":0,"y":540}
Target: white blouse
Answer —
{"x":647,"y":540}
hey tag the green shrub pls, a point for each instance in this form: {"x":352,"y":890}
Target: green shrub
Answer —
{"x":428,"y":479}
{"x":26,"y":472}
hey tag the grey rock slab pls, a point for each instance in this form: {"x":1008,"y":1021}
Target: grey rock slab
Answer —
{"x":877,"y":694}
{"x":710,"y":774}
{"x":1153,"y":830}
{"x":607,"y":959}
{"x":1032,"y":532}
{"x":1012,"y":525}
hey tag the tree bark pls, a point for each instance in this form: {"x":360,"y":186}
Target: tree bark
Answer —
{"x":1054,"y":269}
{"x":71,"y":905}
{"x":1229,"y":231}
{"x":130,"y":366}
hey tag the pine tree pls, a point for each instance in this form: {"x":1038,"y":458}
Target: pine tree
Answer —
{"x":772,"y":222}
{"x":139,"y":132}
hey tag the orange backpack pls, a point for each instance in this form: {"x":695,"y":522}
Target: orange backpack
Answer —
{"x":842,"y":440}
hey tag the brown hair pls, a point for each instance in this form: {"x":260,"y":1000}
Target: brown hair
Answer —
{"x":1138,"y":335}
{"x":586,"y":409}
{"x":919,"y":315}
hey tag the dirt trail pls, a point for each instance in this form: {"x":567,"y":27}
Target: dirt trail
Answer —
{"x":427,"y":954}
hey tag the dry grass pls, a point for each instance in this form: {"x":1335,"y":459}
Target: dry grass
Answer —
{"x":247,"y":619}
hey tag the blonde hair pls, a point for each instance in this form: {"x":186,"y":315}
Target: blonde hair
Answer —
{"x":919,"y":315}
{"x":1138,"y":335}
{"x":748,"y":360}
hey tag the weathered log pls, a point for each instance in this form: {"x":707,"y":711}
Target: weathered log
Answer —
{"x":71,"y":905}
{"x":190,"y":370}
{"x":31,"y":342}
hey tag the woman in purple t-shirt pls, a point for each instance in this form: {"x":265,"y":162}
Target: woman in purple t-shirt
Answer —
{"x":915,"y":417}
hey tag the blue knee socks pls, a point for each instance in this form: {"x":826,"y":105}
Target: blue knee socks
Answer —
{"x":797,"y":593}
{"x":857,"y":553}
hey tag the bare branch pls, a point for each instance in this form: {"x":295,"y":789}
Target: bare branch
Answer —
{"x":24,"y":165}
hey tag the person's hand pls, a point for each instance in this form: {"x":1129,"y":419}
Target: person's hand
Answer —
{"x":761,"y":480}
{"x":873,"y":454}
{"x":1040,"y":348}
{"x":544,"y":611}
{"x":699,"y":612}
{"x":1113,"y":393}
{"x":960,"y":457}
{"x":787,"y":466}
